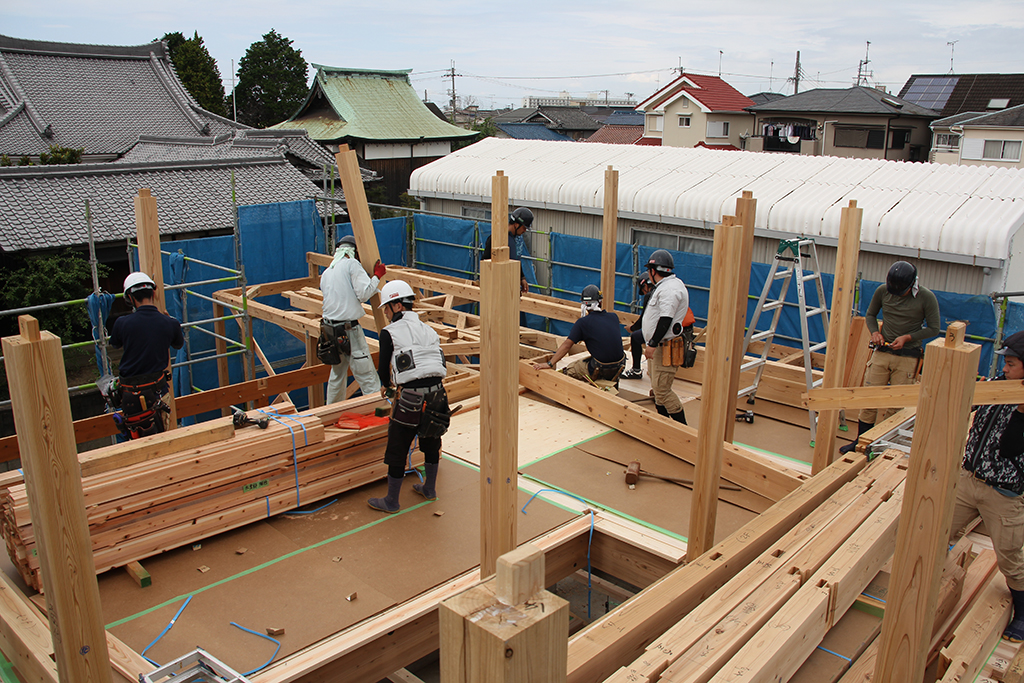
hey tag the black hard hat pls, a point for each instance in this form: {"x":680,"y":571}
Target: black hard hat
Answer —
{"x":347,"y":239}
{"x":645,"y":282}
{"x":901,"y":276}
{"x":590,"y":293}
{"x":661,"y":261}
{"x":1013,"y":346}
{"x":521,"y":216}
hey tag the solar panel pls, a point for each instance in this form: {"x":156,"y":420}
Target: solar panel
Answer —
{"x":931,"y":91}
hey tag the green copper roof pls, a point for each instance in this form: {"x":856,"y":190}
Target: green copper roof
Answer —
{"x":368,"y":105}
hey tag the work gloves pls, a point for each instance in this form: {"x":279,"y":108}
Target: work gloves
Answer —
{"x":379,"y":269}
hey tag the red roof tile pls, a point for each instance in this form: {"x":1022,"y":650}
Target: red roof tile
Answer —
{"x":617,"y":135}
{"x":711,"y":91}
{"x":725,"y":146}
{"x":649,"y":142}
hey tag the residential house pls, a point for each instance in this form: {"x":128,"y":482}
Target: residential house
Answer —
{"x":380,"y":116}
{"x":951,"y":94}
{"x":976,"y":138}
{"x":621,"y":128}
{"x":697,"y":110}
{"x":857,"y":122}
{"x":571,"y":122}
{"x":529,"y":131}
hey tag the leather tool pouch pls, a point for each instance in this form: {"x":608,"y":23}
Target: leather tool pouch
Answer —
{"x":436,"y":415}
{"x":333,"y":342}
{"x":408,"y":408}
{"x":689,"y":347}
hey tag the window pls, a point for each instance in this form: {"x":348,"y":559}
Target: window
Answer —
{"x":684,"y":103}
{"x":655,"y":122}
{"x":859,"y":137}
{"x":899,"y":140}
{"x":947,"y":140}
{"x":684,"y":121}
{"x":718,"y":129}
{"x":476,"y":213}
{"x":1008,"y":150}
{"x":674,"y":242}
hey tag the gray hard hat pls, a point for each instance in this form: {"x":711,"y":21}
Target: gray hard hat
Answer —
{"x":521,"y":216}
{"x":591,"y":293}
{"x":661,"y":261}
{"x":347,"y":239}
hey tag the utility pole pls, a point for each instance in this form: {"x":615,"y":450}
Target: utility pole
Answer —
{"x":796,"y":74}
{"x":952,"y":46}
{"x":451,"y":72}
{"x":862,"y":67}
{"x":720,"y":63}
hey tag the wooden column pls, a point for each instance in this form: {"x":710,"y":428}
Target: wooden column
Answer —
{"x":46,"y":439}
{"x":362,"y":222}
{"x":940,"y":432}
{"x":507,"y":630}
{"x":719,"y":365}
{"x":746,"y":210}
{"x":610,"y":237}
{"x":147,"y":228}
{"x":843,"y":291}
{"x":315,"y":391}
{"x":499,"y":385}
{"x":221,"y":347}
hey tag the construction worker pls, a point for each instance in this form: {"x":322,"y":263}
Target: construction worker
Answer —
{"x":910,"y":315}
{"x":519,"y":221}
{"x":345,"y":286}
{"x":146,"y":335}
{"x":662,"y":321}
{"x":411,"y":358}
{"x":992,"y":482}
{"x":636,"y":337}
{"x":599,"y":330}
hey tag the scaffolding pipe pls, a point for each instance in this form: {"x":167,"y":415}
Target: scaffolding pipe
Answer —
{"x":94,"y":267}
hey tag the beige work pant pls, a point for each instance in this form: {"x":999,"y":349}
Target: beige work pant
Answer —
{"x":886,"y":368}
{"x":662,"y":377}
{"x":1004,"y":521}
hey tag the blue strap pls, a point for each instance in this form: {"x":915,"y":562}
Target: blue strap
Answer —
{"x":590,"y":540}
{"x":166,"y":629}
{"x":295,"y":455}
{"x":257,"y":633}
{"x":825,"y":649}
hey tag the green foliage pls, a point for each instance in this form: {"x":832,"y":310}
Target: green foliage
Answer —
{"x":25,"y":161}
{"x":271,"y":81}
{"x":197,"y":71}
{"x":61,"y":155}
{"x":484,"y":129}
{"x":5,"y":160}
{"x":45,"y":280}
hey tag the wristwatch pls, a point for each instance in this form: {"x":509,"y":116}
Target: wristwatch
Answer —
{"x":551,"y":365}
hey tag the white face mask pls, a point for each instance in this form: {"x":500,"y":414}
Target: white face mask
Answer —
{"x":588,"y":306}
{"x":346,"y":251}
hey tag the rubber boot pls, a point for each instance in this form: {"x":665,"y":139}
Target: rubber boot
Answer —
{"x":662,"y":410}
{"x":679,"y":417}
{"x":388,"y":503}
{"x":428,"y":488}
{"x":861,"y":428}
{"x":1015,"y":629}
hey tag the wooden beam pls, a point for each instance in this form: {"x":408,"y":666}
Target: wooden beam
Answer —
{"x":906,"y":395}
{"x":42,"y":416}
{"x":24,"y":636}
{"x":746,"y":210}
{"x":221,"y":348}
{"x":499,"y":390}
{"x":362,"y":221}
{"x":843,"y":290}
{"x":610,"y":237}
{"x":857,"y":352}
{"x":154,"y":446}
{"x":939,"y":434}
{"x":147,"y":227}
{"x":315,"y":393}
{"x":721,"y":363}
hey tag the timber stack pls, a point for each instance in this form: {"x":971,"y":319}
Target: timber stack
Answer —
{"x":154,"y":505}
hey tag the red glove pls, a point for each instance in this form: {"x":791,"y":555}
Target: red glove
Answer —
{"x":379,"y":269}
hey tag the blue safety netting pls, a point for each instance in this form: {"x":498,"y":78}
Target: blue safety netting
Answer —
{"x":392,"y":239}
{"x":98,"y":307}
{"x":573,"y":262}
{"x":446,"y":245}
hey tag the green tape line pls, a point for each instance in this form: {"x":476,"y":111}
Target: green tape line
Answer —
{"x":7,"y":674}
{"x":574,"y":445}
{"x":777,"y":455}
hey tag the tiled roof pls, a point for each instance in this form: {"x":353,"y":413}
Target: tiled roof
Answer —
{"x":763,"y":97}
{"x":43,"y":207}
{"x":378,"y":106}
{"x":625,"y":118}
{"x":725,"y":146}
{"x":555,"y":118}
{"x":617,"y":135}
{"x":530,"y":131}
{"x":1006,"y":118}
{"x":855,"y":100}
{"x":100,"y":98}
{"x":973,"y":92}
{"x":711,"y":92}
{"x":649,"y":142}
{"x":947,"y":121}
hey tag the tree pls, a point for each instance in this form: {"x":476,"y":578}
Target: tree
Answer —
{"x":45,"y":280}
{"x":61,"y":155}
{"x":271,"y":81}
{"x":197,"y":71}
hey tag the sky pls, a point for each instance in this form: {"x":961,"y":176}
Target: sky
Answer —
{"x":503,"y":52}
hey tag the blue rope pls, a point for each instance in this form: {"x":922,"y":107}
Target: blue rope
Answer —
{"x":166,"y":629}
{"x":310,"y":512}
{"x":257,"y":633}
{"x":834,"y":653}
{"x":590,"y":540}
{"x":295,"y":455}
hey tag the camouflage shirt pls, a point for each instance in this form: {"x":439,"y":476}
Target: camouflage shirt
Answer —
{"x":994,"y":447}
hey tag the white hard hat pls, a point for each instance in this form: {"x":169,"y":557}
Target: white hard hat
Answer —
{"x":395,"y":290}
{"x":138,"y":278}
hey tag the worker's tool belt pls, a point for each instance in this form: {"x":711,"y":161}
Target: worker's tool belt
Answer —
{"x":605,"y":371}
{"x":425,"y":408}
{"x":139,"y":398}
{"x":913,"y":352}
{"x":1002,"y":489}
{"x":680,"y":350}
{"x":334,"y":341}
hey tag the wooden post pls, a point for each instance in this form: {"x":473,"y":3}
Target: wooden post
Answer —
{"x":147,"y":228}
{"x":507,"y":630}
{"x":746,"y":210}
{"x":838,"y":330}
{"x":362,"y":222}
{"x":46,"y":439}
{"x":499,"y":385}
{"x":719,"y":365}
{"x":939,"y":435}
{"x":611,"y":234}
{"x":221,"y":347}
{"x":315,"y":391}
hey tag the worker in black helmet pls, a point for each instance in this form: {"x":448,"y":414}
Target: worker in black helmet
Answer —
{"x":663,"y":320}
{"x":910,"y":316}
{"x":636,"y":336}
{"x":600,"y":331}
{"x":519,"y":221}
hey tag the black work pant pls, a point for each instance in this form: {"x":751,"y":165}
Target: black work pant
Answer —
{"x":396,"y":454}
{"x":636,"y":347}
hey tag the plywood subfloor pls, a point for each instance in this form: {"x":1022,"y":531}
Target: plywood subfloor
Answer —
{"x":298,"y":571}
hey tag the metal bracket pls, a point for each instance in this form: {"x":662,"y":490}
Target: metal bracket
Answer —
{"x":198,"y":665}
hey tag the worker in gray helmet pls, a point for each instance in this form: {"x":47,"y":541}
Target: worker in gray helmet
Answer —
{"x":600,"y":331}
{"x":663,"y":321}
{"x":519,"y":222}
{"x":910,"y":316}
{"x":345,"y":286}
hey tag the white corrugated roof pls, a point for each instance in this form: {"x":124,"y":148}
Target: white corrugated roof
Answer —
{"x":969,"y":211}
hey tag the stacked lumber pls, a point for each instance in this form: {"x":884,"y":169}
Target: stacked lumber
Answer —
{"x":148,"y":507}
